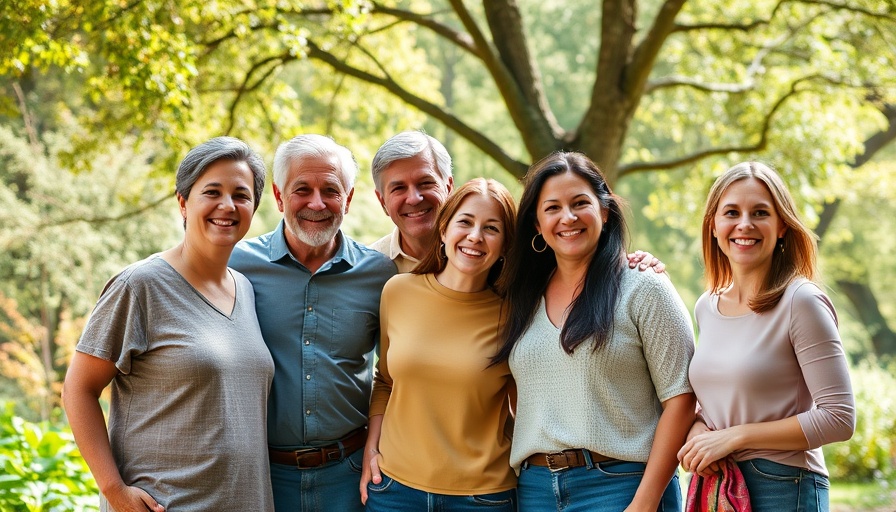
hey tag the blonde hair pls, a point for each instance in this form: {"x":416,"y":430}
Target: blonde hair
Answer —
{"x":797,"y":256}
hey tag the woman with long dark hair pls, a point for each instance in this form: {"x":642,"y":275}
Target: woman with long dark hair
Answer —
{"x":599,"y":352}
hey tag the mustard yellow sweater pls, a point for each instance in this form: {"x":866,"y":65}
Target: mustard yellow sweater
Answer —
{"x":444,"y":410}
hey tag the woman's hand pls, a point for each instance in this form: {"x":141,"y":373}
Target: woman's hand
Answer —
{"x":370,"y":467}
{"x":370,"y":471}
{"x":703,"y":449}
{"x":131,"y":499}
{"x":646,"y":261}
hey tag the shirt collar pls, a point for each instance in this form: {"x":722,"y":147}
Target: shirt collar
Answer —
{"x":395,"y":247}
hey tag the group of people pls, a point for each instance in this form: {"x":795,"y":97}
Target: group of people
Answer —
{"x":525,"y":363}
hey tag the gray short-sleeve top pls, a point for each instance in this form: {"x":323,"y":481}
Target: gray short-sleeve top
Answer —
{"x":188,"y":407}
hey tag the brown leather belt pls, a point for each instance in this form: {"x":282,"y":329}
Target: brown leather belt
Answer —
{"x":566,"y":459}
{"x":316,"y":457}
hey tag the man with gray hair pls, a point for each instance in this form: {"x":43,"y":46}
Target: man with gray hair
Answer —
{"x":317,"y":295}
{"x":412,"y":175}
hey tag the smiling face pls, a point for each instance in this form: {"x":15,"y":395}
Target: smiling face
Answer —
{"x":220,"y":204}
{"x":314,"y":200}
{"x":569,"y":217}
{"x":474,"y":240}
{"x":747,"y":226}
{"x":412,"y":191}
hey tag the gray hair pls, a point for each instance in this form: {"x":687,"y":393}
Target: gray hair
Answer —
{"x":200,"y":158}
{"x":408,"y":145}
{"x":313,"y":146}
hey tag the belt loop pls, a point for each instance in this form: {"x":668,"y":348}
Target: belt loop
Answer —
{"x":524,"y":465}
{"x":588,"y":462}
{"x":342,"y":453}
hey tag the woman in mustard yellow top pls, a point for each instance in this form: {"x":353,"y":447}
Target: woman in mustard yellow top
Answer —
{"x":438,"y":411}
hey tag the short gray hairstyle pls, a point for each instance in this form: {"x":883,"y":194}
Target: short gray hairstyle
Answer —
{"x":298,"y":148}
{"x":200,"y":158}
{"x":408,"y":145}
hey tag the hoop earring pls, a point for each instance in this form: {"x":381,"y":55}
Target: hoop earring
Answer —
{"x":545,"y":243}
{"x":442,"y":254}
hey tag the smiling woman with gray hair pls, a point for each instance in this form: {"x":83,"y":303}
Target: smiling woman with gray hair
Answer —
{"x":177,"y":338}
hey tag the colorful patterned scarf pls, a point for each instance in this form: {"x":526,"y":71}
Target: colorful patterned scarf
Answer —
{"x":720,"y":492}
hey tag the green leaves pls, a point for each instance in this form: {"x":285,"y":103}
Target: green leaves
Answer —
{"x":41,"y":469}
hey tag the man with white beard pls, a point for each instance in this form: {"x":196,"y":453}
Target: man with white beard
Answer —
{"x":317,"y":295}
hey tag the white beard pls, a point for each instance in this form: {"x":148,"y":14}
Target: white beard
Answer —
{"x":319,"y":237}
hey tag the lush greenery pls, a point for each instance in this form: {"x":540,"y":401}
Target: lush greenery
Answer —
{"x":41,"y":469}
{"x":871,"y":453}
{"x":100,"y":99}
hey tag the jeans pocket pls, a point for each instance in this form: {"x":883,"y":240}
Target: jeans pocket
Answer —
{"x":498,"y":499}
{"x":621,"y":469}
{"x":774,"y":471}
{"x":821,"y":482}
{"x":383,"y":486}
{"x":355,"y":461}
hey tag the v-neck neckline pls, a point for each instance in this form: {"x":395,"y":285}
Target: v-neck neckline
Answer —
{"x":203,"y":297}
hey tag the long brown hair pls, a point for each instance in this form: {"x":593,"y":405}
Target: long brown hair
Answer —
{"x":797,"y":256}
{"x":433,"y":262}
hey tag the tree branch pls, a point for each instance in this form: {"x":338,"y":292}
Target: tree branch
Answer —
{"x":27,"y":118}
{"x":102,"y":220}
{"x":745,"y":148}
{"x":748,"y":26}
{"x":645,"y":54}
{"x":839,"y":6}
{"x":245,"y":88}
{"x":880,"y":139}
{"x":461,"y":40}
{"x":683,"y":81}
{"x":872,"y":145}
{"x":478,"y":139}
{"x":506,"y":25}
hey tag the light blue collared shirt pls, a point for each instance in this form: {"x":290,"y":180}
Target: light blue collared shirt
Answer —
{"x":321,"y":329}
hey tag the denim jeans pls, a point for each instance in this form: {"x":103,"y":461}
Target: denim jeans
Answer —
{"x":775,"y":487}
{"x":604,"y":487}
{"x":332,"y":487}
{"x":391,"y":495}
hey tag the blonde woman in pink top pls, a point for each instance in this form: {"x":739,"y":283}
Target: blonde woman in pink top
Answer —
{"x":769,"y":371}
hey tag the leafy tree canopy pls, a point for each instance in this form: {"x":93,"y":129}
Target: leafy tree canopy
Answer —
{"x":637,"y":85}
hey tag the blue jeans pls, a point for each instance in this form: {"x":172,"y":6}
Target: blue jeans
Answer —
{"x":775,"y":487}
{"x":332,"y":487}
{"x":391,"y":495}
{"x":603,"y":487}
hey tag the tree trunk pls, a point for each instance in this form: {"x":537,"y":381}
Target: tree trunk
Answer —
{"x":865,"y":303}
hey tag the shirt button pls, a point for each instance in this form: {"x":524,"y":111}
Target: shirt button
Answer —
{"x":309,"y":308}
{"x":308,"y":377}
{"x":308,"y":412}
{"x":307,"y":342}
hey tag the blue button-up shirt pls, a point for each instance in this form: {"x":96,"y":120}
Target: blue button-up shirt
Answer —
{"x":321,"y":329}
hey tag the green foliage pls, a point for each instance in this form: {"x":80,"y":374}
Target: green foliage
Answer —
{"x":62,"y":236}
{"x":41,"y":468}
{"x":871,"y":453}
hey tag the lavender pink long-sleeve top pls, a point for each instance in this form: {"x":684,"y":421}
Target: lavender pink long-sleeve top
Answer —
{"x":764,"y":367}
